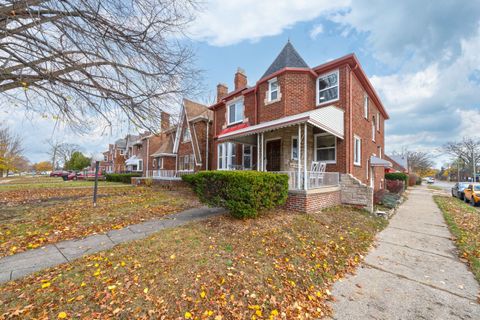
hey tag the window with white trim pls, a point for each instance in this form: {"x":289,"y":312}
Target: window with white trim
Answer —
{"x":226,"y":155}
{"x":327,"y":87}
{"x":379,"y":151}
{"x":272,"y":89}
{"x":378,"y":121}
{"x":325,"y":148}
{"x":357,"y":151}
{"x":373,"y":129}
{"x":294,"y":155}
{"x":187,"y":137}
{"x":140,"y":165}
{"x":186,"y":162}
{"x":122,"y":152}
{"x":235,"y":112}
{"x":365,"y":106}
{"x":247,"y":156}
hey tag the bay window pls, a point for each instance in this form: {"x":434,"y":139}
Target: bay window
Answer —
{"x":325,"y":148}
{"x":327,"y":87}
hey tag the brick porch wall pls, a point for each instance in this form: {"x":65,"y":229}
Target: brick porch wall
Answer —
{"x":313,"y":200}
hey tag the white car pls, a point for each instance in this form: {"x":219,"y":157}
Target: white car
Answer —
{"x":430,"y":180}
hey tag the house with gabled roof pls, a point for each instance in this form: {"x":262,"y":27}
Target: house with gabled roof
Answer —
{"x":296,"y":119}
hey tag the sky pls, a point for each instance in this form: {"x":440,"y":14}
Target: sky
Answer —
{"x":421,"y":56}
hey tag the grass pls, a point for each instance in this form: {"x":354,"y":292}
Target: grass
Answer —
{"x":435,"y":188}
{"x":42,"y":182}
{"x":464,"y":223}
{"x":280,"y":265}
{"x":32,"y":217}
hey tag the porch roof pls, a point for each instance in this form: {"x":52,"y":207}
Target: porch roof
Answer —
{"x":132,"y":161}
{"x":328,"y":118}
{"x":378,"y":162}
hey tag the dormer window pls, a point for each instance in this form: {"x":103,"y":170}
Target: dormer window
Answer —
{"x":235,"y":112}
{"x":186,"y":135}
{"x":272,"y":90}
{"x":327,"y":88}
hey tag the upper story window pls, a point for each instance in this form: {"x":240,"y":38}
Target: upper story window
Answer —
{"x":122,"y":152}
{"x":235,"y":112}
{"x":365,"y":106}
{"x":357,"y":151}
{"x":186,"y":135}
{"x":378,"y":121}
{"x":373,"y":129}
{"x":325,"y":148}
{"x":273,"y":90}
{"x":327,"y":88}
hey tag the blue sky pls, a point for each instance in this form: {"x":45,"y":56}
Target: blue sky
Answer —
{"x":422,"y":58}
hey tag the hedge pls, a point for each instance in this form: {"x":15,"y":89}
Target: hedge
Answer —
{"x":243,"y":193}
{"x":121,"y":177}
{"x":397,"y":176}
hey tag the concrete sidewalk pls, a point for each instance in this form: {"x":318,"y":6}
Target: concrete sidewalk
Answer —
{"x":21,"y":264}
{"x":414,"y":273}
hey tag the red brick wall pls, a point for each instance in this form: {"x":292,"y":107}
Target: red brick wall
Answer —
{"x":312,"y":202}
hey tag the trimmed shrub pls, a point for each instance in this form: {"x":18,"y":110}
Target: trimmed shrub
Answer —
{"x":121,"y":177}
{"x":397,"y":176}
{"x":243,"y":193}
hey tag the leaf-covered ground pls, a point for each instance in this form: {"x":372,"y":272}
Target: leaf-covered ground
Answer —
{"x":33,"y":217}
{"x":280,"y":265}
{"x":464,"y":222}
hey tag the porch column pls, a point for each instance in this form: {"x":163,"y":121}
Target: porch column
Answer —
{"x":258,"y":152}
{"x":305,"y":182}
{"x":263,"y":151}
{"x":299,"y":143}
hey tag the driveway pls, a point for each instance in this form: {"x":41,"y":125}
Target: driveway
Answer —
{"x":414,"y":272}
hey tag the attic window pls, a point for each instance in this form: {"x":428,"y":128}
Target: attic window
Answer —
{"x":327,"y":87}
{"x":186,"y":135}
{"x":273,"y":90}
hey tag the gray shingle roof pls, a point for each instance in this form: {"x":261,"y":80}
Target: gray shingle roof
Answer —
{"x":288,"y":57}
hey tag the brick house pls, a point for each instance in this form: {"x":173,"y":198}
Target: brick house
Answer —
{"x":295,"y":117}
{"x":114,"y":157}
{"x":399,"y":163}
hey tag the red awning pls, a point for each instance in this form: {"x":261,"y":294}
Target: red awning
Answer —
{"x":233,"y":128}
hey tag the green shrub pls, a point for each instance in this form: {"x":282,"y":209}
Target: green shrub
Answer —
{"x":121,"y":177}
{"x":243,"y":193}
{"x":397,"y":176}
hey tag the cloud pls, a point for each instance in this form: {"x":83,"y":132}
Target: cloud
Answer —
{"x":316,"y":30}
{"x":223,"y":23}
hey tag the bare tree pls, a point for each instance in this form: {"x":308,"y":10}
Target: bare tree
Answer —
{"x":93,"y":59}
{"x":61,"y":152}
{"x":418,"y":161}
{"x":10,"y":150}
{"x":467,"y":150}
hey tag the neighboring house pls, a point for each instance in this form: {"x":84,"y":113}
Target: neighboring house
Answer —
{"x":134,"y":153}
{"x":115,"y":157}
{"x":193,"y":138}
{"x":399,"y":163}
{"x":296,"y":116}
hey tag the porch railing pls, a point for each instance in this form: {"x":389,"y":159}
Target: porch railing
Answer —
{"x":167,"y":174}
{"x":314,"y":180}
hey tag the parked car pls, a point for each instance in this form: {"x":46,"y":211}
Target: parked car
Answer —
{"x":472,"y":194}
{"x":458,"y":188}
{"x":90,"y":175}
{"x":58,"y":173}
{"x":430,"y":180}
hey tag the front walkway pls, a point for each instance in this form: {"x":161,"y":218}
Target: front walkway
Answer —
{"x":21,"y":264}
{"x":414,"y":273}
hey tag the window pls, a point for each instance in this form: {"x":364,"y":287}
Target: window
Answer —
{"x":247,"y":156}
{"x":325,"y":148}
{"x":186,"y":135}
{"x":295,"y":148}
{"x":122,"y":152}
{"x":373,"y":129}
{"x":273,"y":89}
{"x":226,"y":155}
{"x":327,"y":87}
{"x":357,"y":151}
{"x":140,"y":165}
{"x":186,"y":162}
{"x":154,"y":163}
{"x":378,"y":121}
{"x":235,"y":112}
{"x":379,"y":152}
{"x":365,"y":106}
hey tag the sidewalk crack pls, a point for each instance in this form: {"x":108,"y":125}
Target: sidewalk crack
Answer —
{"x":420,"y":250}
{"x":427,"y":234}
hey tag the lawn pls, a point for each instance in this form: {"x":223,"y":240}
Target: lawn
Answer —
{"x":34,"y":216}
{"x":280,"y":265}
{"x":464,"y":222}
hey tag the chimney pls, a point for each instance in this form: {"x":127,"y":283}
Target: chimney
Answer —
{"x":222,"y":91}
{"x":240,"y":79}
{"x":165,"y":120}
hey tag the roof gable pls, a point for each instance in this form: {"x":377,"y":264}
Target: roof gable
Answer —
{"x":287,"y":58}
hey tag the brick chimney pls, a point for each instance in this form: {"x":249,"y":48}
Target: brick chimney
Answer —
{"x":222,"y":91}
{"x":165,"y":120}
{"x":240,"y":79}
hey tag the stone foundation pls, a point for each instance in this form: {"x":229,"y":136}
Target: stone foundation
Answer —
{"x":356,"y":193}
{"x":164,"y":184}
{"x":313,"y":200}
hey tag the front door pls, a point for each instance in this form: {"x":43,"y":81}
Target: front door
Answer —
{"x":273,"y":155}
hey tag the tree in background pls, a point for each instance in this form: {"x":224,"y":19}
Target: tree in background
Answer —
{"x":60,"y":152}
{"x":10,"y":150}
{"x":467,"y":151}
{"x":77,"y":162}
{"x":82,"y":60}
{"x":42,"y":166}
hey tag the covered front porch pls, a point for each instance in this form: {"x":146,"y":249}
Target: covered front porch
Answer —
{"x":303,"y":146}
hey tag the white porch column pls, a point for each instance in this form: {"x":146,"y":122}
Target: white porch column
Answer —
{"x":262,"y":142}
{"x":299,"y":144}
{"x":305,"y":182}
{"x":258,"y":152}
